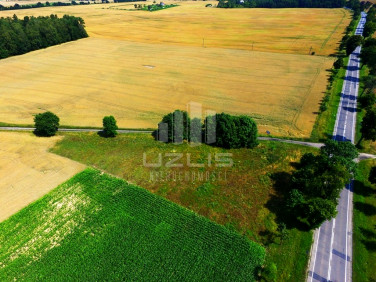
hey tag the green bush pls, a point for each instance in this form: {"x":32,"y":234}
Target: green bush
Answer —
{"x":318,"y":181}
{"x":109,"y":126}
{"x":222,"y":130}
{"x":46,"y":124}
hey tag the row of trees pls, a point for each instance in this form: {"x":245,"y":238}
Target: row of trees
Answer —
{"x":370,"y":25}
{"x":33,"y":33}
{"x":348,"y":44}
{"x":222,"y":130}
{"x":120,"y":1}
{"x":318,"y":181}
{"x":281,"y":3}
{"x":32,"y":6}
{"x":47,"y":124}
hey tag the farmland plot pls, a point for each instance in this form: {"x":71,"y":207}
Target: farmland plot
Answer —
{"x":139,"y":65}
{"x":96,"y":227}
{"x":28,"y":170}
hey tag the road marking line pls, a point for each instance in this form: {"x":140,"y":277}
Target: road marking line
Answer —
{"x":331,"y":248}
{"x":347,"y":224}
{"x":356,"y":100}
{"x":317,"y":246}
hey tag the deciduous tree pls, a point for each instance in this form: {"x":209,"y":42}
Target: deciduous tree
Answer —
{"x":109,"y":126}
{"x":46,"y":124}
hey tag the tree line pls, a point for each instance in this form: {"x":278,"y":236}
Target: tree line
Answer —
{"x":33,"y":33}
{"x":121,"y":1}
{"x":36,"y":5}
{"x":221,"y":130}
{"x":346,"y":47}
{"x":315,"y":186}
{"x":367,"y":98}
{"x":281,"y":3}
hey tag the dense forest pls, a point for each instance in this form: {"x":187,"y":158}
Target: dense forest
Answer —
{"x":32,"y":6}
{"x":22,"y":36}
{"x":286,"y":3}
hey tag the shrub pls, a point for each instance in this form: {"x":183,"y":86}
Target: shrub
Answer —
{"x":109,"y":126}
{"x":46,"y":124}
{"x":338,"y":63}
{"x":367,"y":100}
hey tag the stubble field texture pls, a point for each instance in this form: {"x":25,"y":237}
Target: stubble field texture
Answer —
{"x":138,"y":65}
{"x":28,"y":170}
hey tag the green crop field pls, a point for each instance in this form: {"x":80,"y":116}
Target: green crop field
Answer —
{"x":246,"y":198}
{"x":97,"y":227}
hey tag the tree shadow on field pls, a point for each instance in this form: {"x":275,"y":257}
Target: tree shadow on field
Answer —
{"x":372,"y":175}
{"x":277,"y":202}
{"x":363,"y":190}
{"x":368,"y":233}
{"x":367,"y":209}
{"x":267,"y":237}
{"x":101,"y":133}
{"x":295,"y":165}
{"x":370,"y":245}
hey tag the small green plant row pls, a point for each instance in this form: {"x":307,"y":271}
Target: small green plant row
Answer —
{"x":97,"y":227}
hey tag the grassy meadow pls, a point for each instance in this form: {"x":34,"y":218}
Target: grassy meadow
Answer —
{"x":97,"y":227}
{"x":28,"y":170}
{"x":138,"y":65}
{"x":245,"y":198}
{"x":364,"y":245}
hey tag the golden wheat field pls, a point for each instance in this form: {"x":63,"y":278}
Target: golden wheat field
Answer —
{"x":28,"y":170}
{"x":138,"y":65}
{"x":275,"y":30}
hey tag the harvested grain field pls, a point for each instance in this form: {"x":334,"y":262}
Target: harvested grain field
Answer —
{"x":28,"y":170}
{"x":139,"y":65}
{"x":85,"y":80}
{"x":266,"y":30}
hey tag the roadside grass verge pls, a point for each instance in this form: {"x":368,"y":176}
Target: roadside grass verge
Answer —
{"x":98,"y":227}
{"x":325,"y":121}
{"x":364,"y":263}
{"x":4,"y":124}
{"x":366,"y":146}
{"x":237,"y":197}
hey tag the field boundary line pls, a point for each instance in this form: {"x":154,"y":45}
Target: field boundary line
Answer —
{"x":333,"y":31}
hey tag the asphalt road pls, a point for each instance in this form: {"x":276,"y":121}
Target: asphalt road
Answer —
{"x":331,"y":253}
